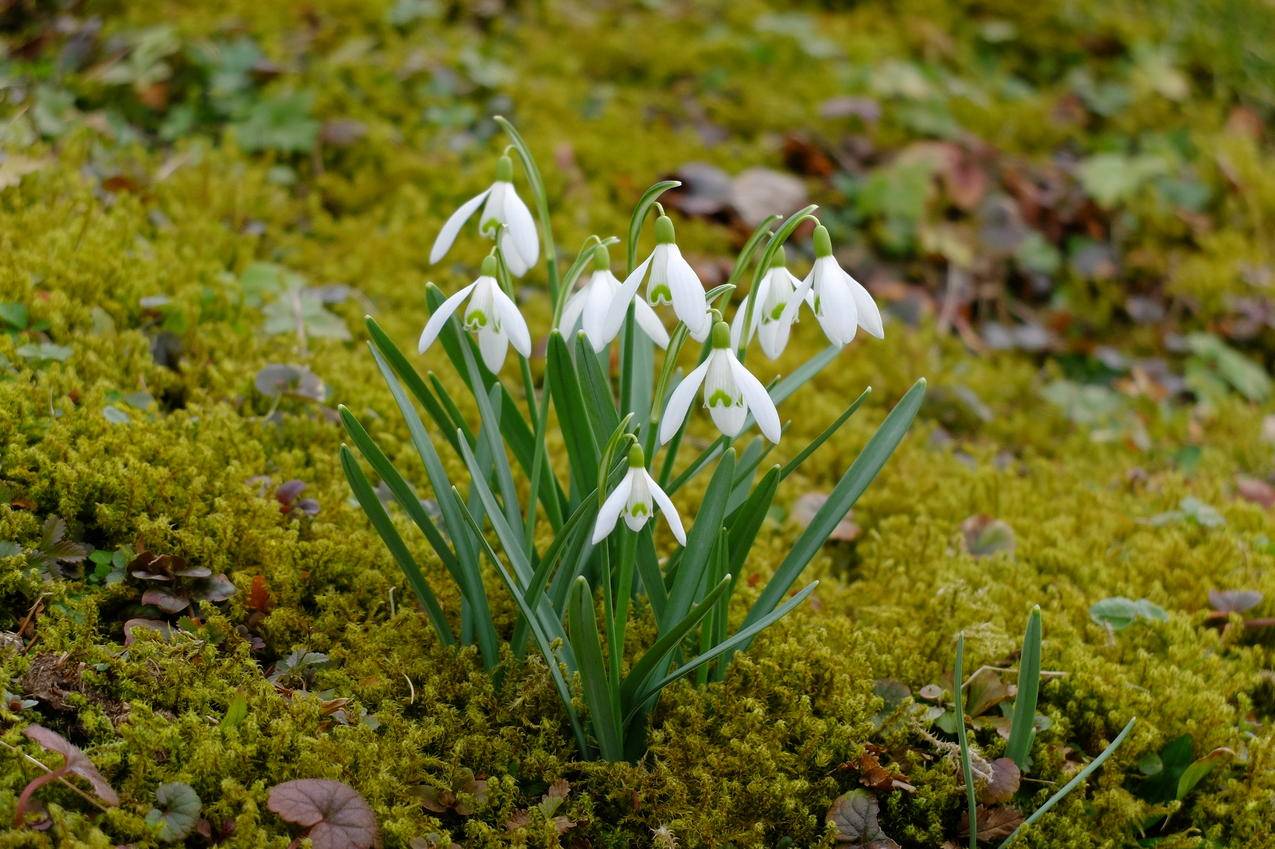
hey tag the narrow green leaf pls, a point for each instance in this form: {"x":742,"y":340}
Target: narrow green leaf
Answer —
{"x":841,"y":499}
{"x":597,"y":390}
{"x":745,"y":524}
{"x":1022,"y":729}
{"x":699,"y":542}
{"x":1071,"y":785}
{"x":375,"y":511}
{"x":592,"y":666}
{"x":819,"y":440}
{"x":564,"y":388}
{"x":967,"y":770}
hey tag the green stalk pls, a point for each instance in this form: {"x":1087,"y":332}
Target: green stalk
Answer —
{"x":966,"y":769}
{"x":542,"y":202}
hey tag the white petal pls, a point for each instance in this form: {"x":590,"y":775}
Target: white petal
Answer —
{"x":639,"y":496}
{"x":452,"y":226}
{"x":493,"y":209}
{"x":757,"y":398}
{"x":493,"y":344}
{"x":436,"y":321}
{"x":657,"y":290}
{"x":667,"y":508}
{"x":571,"y":312}
{"x":759,"y":307}
{"x":597,"y":300}
{"x":689,"y":303}
{"x":619,"y":307}
{"x":723,"y":396}
{"x":869,"y":315}
{"x":835,"y":306}
{"x":512,"y":322}
{"x":520,"y":228}
{"x":802,"y":293}
{"x":611,"y":508}
{"x":650,"y":322}
{"x":679,"y":403}
{"x":774,"y":338}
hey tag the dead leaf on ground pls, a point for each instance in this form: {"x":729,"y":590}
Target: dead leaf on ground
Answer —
{"x":1255,"y":490}
{"x":1003,"y":783}
{"x":334,"y":815}
{"x":75,"y":761}
{"x":808,"y":504}
{"x":993,"y":823}
{"x":854,"y":816}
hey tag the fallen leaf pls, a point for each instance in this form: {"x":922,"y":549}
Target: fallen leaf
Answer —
{"x":854,"y":816}
{"x":808,"y":504}
{"x":334,"y":815}
{"x":1003,"y":783}
{"x":1234,"y":601}
{"x":1255,"y":489}
{"x":76,"y":761}
{"x":993,"y":823}
{"x":985,"y":536}
{"x":759,"y":192}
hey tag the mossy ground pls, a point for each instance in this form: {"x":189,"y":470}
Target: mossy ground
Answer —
{"x":127,"y":185}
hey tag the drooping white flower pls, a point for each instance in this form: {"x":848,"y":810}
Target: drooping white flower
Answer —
{"x":503,"y":211}
{"x":770,"y":317}
{"x":671,"y":281}
{"x":591,"y":306}
{"x":841,"y":304}
{"x":491,"y":315}
{"x":632,"y":499}
{"x":730,"y":393}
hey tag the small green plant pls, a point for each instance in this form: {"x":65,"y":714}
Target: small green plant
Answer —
{"x":1021,"y":734}
{"x":614,"y":427}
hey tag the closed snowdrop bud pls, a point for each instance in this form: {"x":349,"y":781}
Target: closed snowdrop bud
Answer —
{"x":504,"y":216}
{"x":841,"y":304}
{"x":771,"y":320}
{"x":490,"y":315}
{"x":600,"y":305}
{"x":731,"y":392}
{"x":633,"y":499}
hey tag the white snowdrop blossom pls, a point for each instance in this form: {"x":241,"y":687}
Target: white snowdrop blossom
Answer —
{"x":591,"y":307}
{"x":841,"y":304}
{"x":671,"y":282}
{"x":771,"y":319}
{"x":632,"y":498}
{"x":503,"y":211}
{"x":491,"y":315}
{"x":730,"y":393}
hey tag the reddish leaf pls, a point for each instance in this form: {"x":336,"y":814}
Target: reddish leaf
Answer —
{"x":854,"y":816}
{"x":1003,"y":784}
{"x":1255,"y":489}
{"x":1234,"y":601}
{"x":259,"y":595}
{"x":334,"y":814}
{"x":993,"y":823}
{"x":76,"y":761}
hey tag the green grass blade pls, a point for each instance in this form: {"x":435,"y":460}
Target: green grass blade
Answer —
{"x":375,"y":511}
{"x":1071,"y":785}
{"x":841,"y":499}
{"x":967,"y":769}
{"x":1022,"y":728}
{"x":592,"y":666}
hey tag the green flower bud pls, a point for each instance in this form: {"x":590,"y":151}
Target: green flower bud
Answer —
{"x":664,"y":230}
{"x":823,"y":244}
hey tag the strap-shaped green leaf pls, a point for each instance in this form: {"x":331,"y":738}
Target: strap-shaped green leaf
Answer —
{"x":597,"y":390}
{"x":653,"y":659}
{"x":693,"y":559}
{"x":1022,"y":727}
{"x":375,"y":511}
{"x":592,"y":666}
{"x":740,"y":638}
{"x":814,"y":444}
{"x":840,"y":500}
{"x":745,"y":523}
{"x":564,"y":388}
{"x":544,"y":639}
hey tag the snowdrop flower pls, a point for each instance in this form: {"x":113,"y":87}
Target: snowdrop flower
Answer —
{"x":841,"y":304}
{"x":632,"y":499}
{"x":671,"y":281}
{"x":591,"y":307}
{"x":491,"y":315}
{"x":769,"y":311}
{"x":503,"y":210}
{"x":730,"y":393}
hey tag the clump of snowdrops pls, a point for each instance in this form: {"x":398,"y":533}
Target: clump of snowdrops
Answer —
{"x":622,"y":431}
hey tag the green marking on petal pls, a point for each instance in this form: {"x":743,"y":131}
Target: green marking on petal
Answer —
{"x":475,"y":320}
{"x":639,"y":509}
{"x":661,"y":294}
{"x":720,"y":398}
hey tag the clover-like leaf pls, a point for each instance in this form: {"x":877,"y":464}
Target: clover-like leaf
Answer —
{"x":334,"y":815}
{"x":175,"y":813}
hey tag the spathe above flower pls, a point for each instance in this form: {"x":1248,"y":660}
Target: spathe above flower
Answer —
{"x":841,"y":304}
{"x":491,"y":315}
{"x":591,"y":307}
{"x":503,"y":213}
{"x":770,"y":317}
{"x":730,"y":393}
{"x":670,"y":281}
{"x":632,"y":499}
